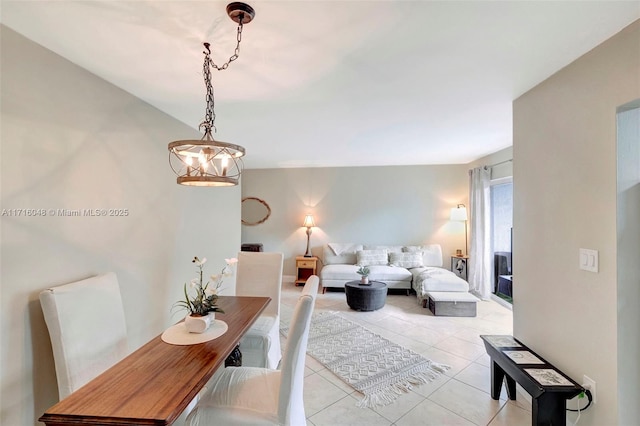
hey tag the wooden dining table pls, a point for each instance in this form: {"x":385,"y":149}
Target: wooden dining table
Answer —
{"x":154,"y":384}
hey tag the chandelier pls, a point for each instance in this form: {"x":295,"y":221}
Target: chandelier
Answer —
{"x":208,"y":162}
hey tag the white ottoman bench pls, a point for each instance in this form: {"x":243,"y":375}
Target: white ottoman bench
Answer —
{"x":452,"y":304}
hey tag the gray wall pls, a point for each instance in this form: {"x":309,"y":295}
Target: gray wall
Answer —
{"x":564,"y":199}
{"x":69,"y":140}
{"x":383,"y":205}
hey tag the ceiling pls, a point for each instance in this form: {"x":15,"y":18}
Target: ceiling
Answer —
{"x":332,"y":83}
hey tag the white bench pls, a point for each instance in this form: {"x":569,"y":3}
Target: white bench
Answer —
{"x":452,"y":304}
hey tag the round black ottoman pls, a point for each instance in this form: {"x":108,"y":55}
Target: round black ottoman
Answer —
{"x":361,"y":297}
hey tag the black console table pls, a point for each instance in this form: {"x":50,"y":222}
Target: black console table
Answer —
{"x":549,"y":387}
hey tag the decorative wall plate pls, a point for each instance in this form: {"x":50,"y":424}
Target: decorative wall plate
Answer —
{"x":254,"y":211}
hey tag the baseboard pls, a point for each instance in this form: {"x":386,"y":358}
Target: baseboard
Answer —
{"x":502,"y":302}
{"x":288,"y":278}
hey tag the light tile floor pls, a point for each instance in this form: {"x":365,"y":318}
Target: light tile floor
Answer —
{"x":460,"y":397}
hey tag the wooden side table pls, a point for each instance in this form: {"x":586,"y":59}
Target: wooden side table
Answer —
{"x":459,"y":266}
{"x":305,"y":267}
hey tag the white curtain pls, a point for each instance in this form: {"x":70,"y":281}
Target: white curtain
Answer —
{"x":480,"y":245}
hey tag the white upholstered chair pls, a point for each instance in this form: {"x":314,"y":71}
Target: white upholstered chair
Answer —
{"x":261,"y":396}
{"x":87,"y":328}
{"x":260,"y":274}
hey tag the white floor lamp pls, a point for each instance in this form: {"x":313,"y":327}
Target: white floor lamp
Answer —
{"x":459,"y":214}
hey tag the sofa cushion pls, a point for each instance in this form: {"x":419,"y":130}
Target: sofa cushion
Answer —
{"x":406,"y":260}
{"x":347,"y":254}
{"x":372,"y":257}
{"x":389,"y":273}
{"x":339,"y":272}
{"x":431,"y":253}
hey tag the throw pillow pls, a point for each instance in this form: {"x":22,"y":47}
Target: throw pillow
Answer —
{"x":372,"y":257}
{"x":406,"y":260}
{"x":389,"y":249}
{"x":411,"y":249}
{"x":431,"y":253}
{"x":340,"y":248}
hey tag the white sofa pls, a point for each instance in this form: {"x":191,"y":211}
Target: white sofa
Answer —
{"x":394,"y":265}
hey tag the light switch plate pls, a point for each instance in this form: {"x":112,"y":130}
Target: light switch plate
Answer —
{"x":589,"y":260}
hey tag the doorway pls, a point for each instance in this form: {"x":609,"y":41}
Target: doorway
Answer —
{"x":628,"y":267}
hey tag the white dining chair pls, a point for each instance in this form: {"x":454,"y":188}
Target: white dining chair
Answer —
{"x":261,"y":396}
{"x":87,"y":328}
{"x":260,"y":274}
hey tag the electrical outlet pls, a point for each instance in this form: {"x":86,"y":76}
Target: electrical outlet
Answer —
{"x":589,"y":383}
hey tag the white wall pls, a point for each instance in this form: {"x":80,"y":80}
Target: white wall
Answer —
{"x":503,"y":167}
{"x":565,"y":198}
{"x":628,"y":224}
{"x":375,"y":205}
{"x":69,"y":140}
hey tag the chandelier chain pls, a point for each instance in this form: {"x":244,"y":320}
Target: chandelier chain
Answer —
{"x":236,"y":52}
{"x":210,"y":116}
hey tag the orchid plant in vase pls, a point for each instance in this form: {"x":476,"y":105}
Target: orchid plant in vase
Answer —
{"x":204,"y":304}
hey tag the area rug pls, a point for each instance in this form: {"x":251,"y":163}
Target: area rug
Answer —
{"x":378,"y":368}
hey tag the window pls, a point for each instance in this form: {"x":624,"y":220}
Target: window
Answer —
{"x":501,"y":232}
{"x":501,"y":214}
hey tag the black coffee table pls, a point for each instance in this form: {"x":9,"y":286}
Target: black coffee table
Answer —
{"x":365,"y":297}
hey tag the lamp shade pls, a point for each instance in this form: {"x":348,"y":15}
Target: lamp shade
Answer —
{"x":308,"y":221}
{"x":459,"y":213}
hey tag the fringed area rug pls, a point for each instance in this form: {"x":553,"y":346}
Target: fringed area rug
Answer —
{"x":376,"y":367}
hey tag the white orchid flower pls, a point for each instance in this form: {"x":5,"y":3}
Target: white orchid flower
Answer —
{"x":194,"y":282}
{"x":231,"y":261}
{"x":215,"y":277}
{"x":198,"y":261}
{"x":211,"y":291}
